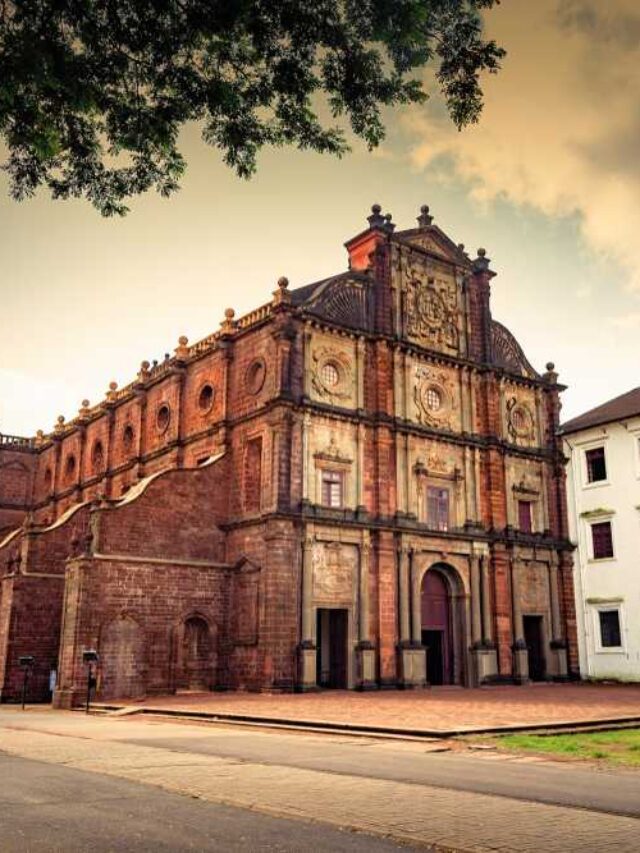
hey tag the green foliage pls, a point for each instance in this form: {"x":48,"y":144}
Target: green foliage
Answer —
{"x":93,"y":93}
{"x":619,"y":746}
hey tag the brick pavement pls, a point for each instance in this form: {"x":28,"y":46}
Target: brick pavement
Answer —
{"x":418,"y":815}
{"x":438,"y":709}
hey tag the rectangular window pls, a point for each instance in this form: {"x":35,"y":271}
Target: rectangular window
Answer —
{"x":596,"y":465}
{"x":610,"y":629}
{"x":524,"y":516}
{"x":437,"y":508}
{"x":332,"y":488}
{"x":602,"y":540}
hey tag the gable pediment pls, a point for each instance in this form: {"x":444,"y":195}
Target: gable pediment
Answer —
{"x":436,"y":242}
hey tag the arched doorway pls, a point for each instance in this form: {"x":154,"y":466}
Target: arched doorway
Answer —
{"x":438,"y":629}
{"x":196,"y":654}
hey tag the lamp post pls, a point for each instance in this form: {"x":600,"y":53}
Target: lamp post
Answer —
{"x":27,"y":662}
{"x":90,"y":657}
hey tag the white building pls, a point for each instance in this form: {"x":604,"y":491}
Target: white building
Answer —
{"x":603,"y":446}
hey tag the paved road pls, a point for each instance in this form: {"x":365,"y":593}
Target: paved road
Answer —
{"x":393,"y":789}
{"x":45,"y":808}
{"x":542,"y":782}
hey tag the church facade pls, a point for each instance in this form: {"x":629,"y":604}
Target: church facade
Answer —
{"x":357,"y":485}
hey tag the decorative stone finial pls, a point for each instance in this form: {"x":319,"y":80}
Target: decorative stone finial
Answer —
{"x":481,"y":263}
{"x":551,"y":375}
{"x":60,"y":423}
{"x":425,"y":219}
{"x":39,"y":437}
{"x":550,"y":366}
{"x":85,"y":404}
{"x":388,"y":223}
{"x":144,"y":371}
{"x":182,"y":350}
{"x":376,"y":220}
{"x":111,"y":393}
{"x":282,"y":294}
{"x":228,"y":325}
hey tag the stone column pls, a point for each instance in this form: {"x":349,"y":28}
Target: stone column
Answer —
{"x":520,"y":653}
{"x":476,"y":611}
{"x":306,"y":425}
{"x":483,"y":651}
{"x":412,"y":655}
{"x":416,"y":605}
{"x":360,"y":366}
{"x":405,"y":617}
{"x":306,"y":342}
{"x":487,"y":614}
{"x":307,"y":647}
{"x":366,"y":651}
{"x":558,"y":643}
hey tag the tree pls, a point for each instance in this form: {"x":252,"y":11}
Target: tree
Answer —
{"x":93,"y":93}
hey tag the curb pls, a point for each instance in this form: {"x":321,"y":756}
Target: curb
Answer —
{"x":566,"y":726}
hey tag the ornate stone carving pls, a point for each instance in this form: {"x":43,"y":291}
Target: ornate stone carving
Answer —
{"x":334,"y":567}
{"x":336,"y":384}
{"x":433,"y":396}
{"x":520,"y":421}
{"x":430,"y":307}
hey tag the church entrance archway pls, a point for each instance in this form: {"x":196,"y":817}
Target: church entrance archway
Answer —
{"x":439,"y":635}
{"x":197,"y":655}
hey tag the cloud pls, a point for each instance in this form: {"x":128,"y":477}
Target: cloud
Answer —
{"x":561,"y":127}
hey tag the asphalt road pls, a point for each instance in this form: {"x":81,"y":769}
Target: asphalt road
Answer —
{"x":566,"y":784}
{"x":50,"y":808}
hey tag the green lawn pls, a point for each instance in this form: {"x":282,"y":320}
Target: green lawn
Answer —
{"x":616,"y":747}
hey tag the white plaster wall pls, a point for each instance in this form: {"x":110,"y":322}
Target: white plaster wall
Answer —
{"x":612,"y":582}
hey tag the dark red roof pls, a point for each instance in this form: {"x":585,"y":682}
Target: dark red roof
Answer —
{"x":625,"y":406}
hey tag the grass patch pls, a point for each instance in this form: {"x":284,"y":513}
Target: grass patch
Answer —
{"x":621,"y":747}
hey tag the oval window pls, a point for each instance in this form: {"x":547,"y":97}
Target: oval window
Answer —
{"x":128,"y":437}
{"x":163,"y":417}
{"x":205,"y":398}
{"x":97,"y":457}
{"x":255,"y":376}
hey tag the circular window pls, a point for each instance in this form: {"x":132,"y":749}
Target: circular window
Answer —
{"x":433,"y":399}
{"x":205,"y":398}
{"x":330,"y":374}
{"x":69,"y":468}
{"x":163,"y":417}
{"x":97,"y":457}
{"x":128,"y":437}
{"x":256,"y":375}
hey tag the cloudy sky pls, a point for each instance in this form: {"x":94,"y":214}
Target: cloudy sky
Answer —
{"x":548,"y":182}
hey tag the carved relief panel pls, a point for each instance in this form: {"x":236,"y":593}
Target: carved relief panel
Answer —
{"x":435,"y":397}
{"x":520,"y":414}
{"x":334,"y":572}
{"x":331,"y":369}
{"x":431,"y":303}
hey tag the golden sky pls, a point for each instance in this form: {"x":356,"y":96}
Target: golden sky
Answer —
{"x":549,"y":182}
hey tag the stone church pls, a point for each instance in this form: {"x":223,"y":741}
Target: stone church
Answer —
{"x":357,"y":485}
